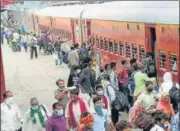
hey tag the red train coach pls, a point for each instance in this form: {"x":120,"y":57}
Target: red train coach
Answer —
{"x":122,"y":30}
{"x":133,"y":28}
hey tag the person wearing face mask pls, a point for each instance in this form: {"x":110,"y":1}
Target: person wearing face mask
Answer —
{"x":74,"y":108}
{"x":61,"y":94}
{"x":106,"y":103}
{"x":11,"y":118}
{"x":148,"y":99}
{"x":101,"y":117}
{"x":57,"y":121}
{"x":161,"y":122}
{"x":35,"y":118}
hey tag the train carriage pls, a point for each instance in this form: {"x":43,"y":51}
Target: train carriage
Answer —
{"x":131,"y":29}
{"x":122,"y":30}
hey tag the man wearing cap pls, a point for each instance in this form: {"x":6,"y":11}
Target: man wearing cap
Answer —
{"x":35,"y":118}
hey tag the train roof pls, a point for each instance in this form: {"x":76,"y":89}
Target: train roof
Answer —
{"x":164,"y":12}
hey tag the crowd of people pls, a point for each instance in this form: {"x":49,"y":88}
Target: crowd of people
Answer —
{"x":95,"y":96}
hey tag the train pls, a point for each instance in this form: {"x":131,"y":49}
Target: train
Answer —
{"x":119,"y":30}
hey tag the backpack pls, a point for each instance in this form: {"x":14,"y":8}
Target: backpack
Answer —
{"x":131,"y":84}
{"x":143,"y":121}
{"x":121,"y":101}
{"x":174,"y":96}
{"x":151,"y":69}
{"x":65,"y":58}
{"x":84,"y":54}
{"x":137,"y":116}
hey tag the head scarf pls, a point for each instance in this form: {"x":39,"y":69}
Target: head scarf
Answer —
{"x":167,"y":77}
{"x":165,"y":105}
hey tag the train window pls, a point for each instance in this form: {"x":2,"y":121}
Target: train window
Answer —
{"x":105,"y":44}
{"x":137,"y":27}
{"x":70,"y":36}
{"x":115,"y":47}
{"x":128,"y":50}
{"x":162,"y":59}
{"x":97,"y":42}
{"x":127,"y":26}
{"x":141,"y":52}
{"x":162,"y":29}
{"x":101,"y":43}
{"x":110,"y":46}
{"x":134,"y":51}
{"x":121,"y":48}
{"x":173,"y":62}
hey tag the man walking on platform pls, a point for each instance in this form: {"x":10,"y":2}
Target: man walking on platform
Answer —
{"x":33,"y":46}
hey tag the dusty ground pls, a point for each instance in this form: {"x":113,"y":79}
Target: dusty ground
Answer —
{"x":28,"y":78}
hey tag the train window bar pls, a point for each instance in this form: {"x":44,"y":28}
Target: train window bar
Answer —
{"x":93,"y":40}
{"x":110,"y":45}
{"x":105,"y":44}
{"x":162,"y":57}
{"x":134,"y":51}
{"x":97,"y":42}
{"x":128,"y":50}
{"x":173,"y":62}
{"x":121,"y":48}
{"x":141,"y":53}
{"x":90,"y":39}
{"x":115,"y":47}
{"x":101,"y":42}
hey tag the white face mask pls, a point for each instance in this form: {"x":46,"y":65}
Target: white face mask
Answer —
{"x":9,"y":101}
{"x":100,"y":92}
{"x":78,"y":71}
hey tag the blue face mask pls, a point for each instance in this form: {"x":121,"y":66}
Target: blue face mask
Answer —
{"x":60,"y":112}
{"x":99,"y":109}
{"x":34,"y":107}
{"x":164,"y":126}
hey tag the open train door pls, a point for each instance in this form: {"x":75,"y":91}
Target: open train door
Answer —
{"x":2,"y":76}
{"x":150,"y":38}
{"x":150,"y":42}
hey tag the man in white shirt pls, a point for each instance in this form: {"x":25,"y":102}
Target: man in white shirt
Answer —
{"x":11,"y":118}
{"x":33,"y":46}
{"x":36,"y":117}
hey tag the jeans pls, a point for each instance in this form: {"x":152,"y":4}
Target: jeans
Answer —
{"x":33,"y":49}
